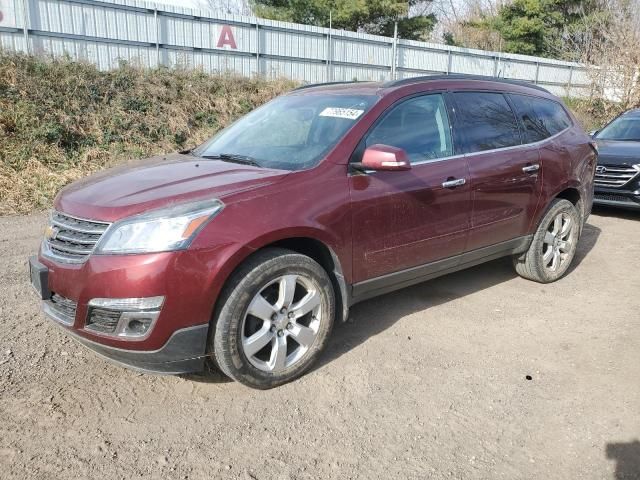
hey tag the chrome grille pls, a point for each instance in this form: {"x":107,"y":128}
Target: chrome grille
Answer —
{"x":61,"y":309}
{"x":72,"y":239}
{"x":615,"y":175}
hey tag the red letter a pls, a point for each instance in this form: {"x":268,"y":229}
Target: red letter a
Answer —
{"x":226,"y":38}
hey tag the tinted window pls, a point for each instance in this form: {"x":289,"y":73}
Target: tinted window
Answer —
{"x":540,"y":117}
{"x":622,"y":128}
{"x":485,"y":121}
{"x":420,"y":126}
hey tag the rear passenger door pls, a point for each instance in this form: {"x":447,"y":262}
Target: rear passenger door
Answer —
{"x":506,"y":176}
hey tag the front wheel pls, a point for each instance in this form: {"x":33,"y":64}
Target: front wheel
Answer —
{"x":275,"y":318}
{"x":554,"y":244}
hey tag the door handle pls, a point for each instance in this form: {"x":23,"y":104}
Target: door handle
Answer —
{"x":454,"y":183}
{"x":531,"y":168}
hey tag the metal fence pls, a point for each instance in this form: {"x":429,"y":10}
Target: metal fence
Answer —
{"x":105,"y":32}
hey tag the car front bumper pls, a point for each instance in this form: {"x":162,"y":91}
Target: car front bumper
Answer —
{"x":176,"y":343}
{"x":615,"y":197}
{"x":184,"y":352}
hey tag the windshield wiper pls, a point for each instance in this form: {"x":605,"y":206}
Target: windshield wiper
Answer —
{"x":234,"y":158}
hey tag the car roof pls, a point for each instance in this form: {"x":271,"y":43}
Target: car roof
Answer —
{"x":381,"y":88}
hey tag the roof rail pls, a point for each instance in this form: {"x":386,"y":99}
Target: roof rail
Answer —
{"x":322,"y":84}
{"x":462,"y":76}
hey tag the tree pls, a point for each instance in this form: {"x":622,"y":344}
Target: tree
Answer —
{"x":537,"y":27}
{"x":612,"y":57}
{"x":371,"y":16}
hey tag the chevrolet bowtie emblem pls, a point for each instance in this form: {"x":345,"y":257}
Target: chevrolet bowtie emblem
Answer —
{"x":50,"y":233}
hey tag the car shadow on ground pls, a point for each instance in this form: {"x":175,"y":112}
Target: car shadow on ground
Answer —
{"x":625,"y":214}
{"x":627,"y":458}
{"x":372,"y":317}
{"x":588,"y":240}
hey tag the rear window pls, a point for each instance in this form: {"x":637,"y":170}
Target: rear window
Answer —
{"x":540,"y":117}
{"x":485,"y":121}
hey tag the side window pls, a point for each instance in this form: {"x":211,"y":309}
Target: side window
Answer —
{"x":420,"y":126}
{"x":541,"y":118}
{"x":485,"y":121}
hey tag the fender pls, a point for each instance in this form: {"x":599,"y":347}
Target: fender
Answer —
{"x":235,"y":257}
{"x":569,"y":184}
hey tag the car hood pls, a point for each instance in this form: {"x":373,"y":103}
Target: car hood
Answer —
{"x":615,"y":152}
{"x":159,"y":182}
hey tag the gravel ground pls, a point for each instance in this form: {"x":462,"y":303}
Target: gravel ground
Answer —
{"x":429,"y":382}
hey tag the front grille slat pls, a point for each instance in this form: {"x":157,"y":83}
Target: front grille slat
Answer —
{"x":69,"y":248}
{"x":616,"y":175}
{"x":73,"y":239}
{"x":89,"y":240}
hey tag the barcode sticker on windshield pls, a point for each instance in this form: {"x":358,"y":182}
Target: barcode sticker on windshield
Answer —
{"x":348,"y":113}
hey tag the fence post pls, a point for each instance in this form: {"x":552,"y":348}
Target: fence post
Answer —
{"x":537,"y":73}
{"x":257,"y":47}
{"x":25,"y":23}
{"x":449,"y":60}
{"x":329,"y":52}
{"x":157,"y":22}
{"x":394,"y":51}
{"x":570,"y":81}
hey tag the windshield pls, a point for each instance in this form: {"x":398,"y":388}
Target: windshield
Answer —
{"x":291,"y":132}
{"x":622,"y":128}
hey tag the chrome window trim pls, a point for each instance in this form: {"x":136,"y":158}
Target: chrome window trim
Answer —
{"x":536,"y":144}
{"x":483,"y":152}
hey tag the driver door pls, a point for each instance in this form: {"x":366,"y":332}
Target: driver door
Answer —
{"x":405,"y":219}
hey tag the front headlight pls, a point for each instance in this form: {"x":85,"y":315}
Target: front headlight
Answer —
{"x":162,"y":230}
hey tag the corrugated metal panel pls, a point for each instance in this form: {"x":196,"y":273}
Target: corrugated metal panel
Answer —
{"x":362,"y":51}
{"x":12,"y":14}
{"x":415,"y":58}
{"x":354,"y":72}
{"x":286,"y":44}
{"x":514,"y":69}
{"x":473,"y":65}
{"x":105,"y":32}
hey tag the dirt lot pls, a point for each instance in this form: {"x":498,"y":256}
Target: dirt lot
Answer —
{"x":429,"y":382}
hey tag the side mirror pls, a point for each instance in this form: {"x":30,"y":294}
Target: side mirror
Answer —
{"x":385,"y":157}
{"x":593,"y":133}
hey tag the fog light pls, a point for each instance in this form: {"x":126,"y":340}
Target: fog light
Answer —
{"x":123,"y":317}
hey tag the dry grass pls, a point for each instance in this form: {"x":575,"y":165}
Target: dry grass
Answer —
{"x":60,"y":120}
{"x":593,"y":114}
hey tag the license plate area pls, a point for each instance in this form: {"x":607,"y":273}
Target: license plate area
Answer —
{"x":39,"y":278}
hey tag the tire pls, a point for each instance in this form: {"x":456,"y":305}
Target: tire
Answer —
{"x":274,"y":319}
{"x":550,"y":255}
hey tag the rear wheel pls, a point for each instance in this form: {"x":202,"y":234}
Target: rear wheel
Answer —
{"x":554,"y":244}
{"x":275,"y":318}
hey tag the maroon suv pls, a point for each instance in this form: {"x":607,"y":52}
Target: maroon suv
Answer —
{"x":243,"y":251}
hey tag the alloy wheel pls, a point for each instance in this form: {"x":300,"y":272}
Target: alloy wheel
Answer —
{"x":282,"y":323}
{"x":558,"y":241}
